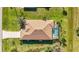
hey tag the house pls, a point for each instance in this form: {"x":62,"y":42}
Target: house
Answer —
{"x":38,"y":30}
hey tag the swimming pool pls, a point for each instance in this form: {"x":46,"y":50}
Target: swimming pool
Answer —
{"x":55,"y":32}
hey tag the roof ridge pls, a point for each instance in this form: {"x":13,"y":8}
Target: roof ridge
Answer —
{"x":42,"y":31}
{"x":44,"y":28}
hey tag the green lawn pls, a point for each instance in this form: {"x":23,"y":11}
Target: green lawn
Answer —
{"x":76,"y":45}
{"x":11,"y":45}
{"x":10,"y":20}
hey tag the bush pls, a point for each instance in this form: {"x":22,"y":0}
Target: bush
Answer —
{"x":14,"y":50}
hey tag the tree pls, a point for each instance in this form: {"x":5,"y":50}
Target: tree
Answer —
{"x":77,"y":31}
{"x":64,"y":12}
{"x":22,"y":22}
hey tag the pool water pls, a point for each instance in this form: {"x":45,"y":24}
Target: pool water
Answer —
{"x":55,"y":32}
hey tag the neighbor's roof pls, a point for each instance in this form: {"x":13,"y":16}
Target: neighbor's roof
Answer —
{"x":38,"y":29}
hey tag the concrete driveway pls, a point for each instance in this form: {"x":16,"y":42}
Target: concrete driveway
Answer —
{"x":9,"y":34}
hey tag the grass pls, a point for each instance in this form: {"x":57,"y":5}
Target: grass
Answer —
{"x":76,"y":24}
{"x":53,"y":13}
{"x":11,"y":23}
{"x":11,"y":45}
{"x":76,"y":45}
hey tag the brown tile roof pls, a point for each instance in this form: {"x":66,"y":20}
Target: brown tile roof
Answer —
{"x":37,"y":30}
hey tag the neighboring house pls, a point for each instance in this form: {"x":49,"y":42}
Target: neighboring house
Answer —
{"x":38,"y":30}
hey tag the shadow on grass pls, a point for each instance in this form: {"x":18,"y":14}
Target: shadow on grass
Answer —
{"x":37,"y":41}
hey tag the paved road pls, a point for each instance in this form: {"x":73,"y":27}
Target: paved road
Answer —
{"x":9,"y":34}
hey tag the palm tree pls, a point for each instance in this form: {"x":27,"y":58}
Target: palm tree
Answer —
{"x":22,"y":22}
